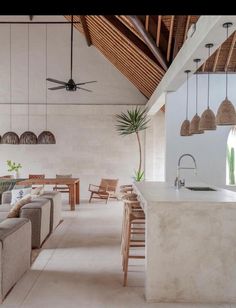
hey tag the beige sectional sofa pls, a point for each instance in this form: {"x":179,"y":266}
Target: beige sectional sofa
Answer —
{"x":44,"y":212}
{"x":15,"y":252}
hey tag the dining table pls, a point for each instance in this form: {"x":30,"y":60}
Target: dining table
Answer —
{"x":72,"y":183}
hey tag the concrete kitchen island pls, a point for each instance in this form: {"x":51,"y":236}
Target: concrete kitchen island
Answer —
{"x":190,"y":244}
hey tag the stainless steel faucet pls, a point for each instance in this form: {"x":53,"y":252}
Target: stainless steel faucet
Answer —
{"x":178,"y":182}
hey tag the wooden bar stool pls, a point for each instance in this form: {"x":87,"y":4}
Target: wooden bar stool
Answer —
{"x":126,"y":197}
{"x":133,"y":217}
{"x":126,"y":188}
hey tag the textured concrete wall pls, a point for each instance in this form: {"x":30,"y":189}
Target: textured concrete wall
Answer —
{"x":88,"y":146}
{"x":155,"y":148}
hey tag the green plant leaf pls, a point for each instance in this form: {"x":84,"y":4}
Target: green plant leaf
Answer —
{"x":139,"y":176}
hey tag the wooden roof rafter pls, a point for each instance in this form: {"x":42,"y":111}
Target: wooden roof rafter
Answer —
{"x":85,"y":29}
{"x":149,"y":41}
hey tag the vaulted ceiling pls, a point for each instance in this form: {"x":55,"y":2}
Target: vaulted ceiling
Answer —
{"x":143,"y":47}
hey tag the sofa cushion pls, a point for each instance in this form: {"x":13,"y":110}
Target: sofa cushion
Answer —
{"x":15,"y":210}
{"x":3,"y":215}
{"x":5,"y":207}
{"x":17,"y":194}
{"x":10,"y":226}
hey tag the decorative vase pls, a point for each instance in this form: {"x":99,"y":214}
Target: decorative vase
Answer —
{"x":16,"y":175}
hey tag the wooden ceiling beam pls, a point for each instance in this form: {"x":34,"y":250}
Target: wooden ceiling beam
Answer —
{"x":204,"y":66}
{"x":230,"y":51}
{"x":86,"y":30}
{"x":170,"y":38}
{"x":108,"y":22}
{"x":130,"y":37}
{"x":187,"y":27}
{"x":216,"y":59}
{"x":178,"y":34}
{"x":158,"y":31}
{"x":147,"y":22}
{"x":129,"y":55}
{"x":149,"y":41}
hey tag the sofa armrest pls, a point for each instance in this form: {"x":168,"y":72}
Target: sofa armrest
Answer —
{"x":38,"y":212}
{"x":6,"y":196}
{"x":15,"y":247}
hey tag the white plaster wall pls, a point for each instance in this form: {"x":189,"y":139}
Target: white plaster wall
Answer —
{"x":155,"y":148}
{"x":88,"y":145}
{"x":209,"y":148}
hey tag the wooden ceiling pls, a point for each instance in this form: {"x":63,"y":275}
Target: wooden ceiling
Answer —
{"x":119,"y":39}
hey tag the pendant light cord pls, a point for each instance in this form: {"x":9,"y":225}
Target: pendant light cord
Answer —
{"x":46,"y":70}
{"x":187,"y":98}
{"x":28,"y":78}
{"x":71,"y":49}
{"x":208,"y":79}
{"x":10,"y":86}
{"x":196,"y":87}
{"x":226,"y":72}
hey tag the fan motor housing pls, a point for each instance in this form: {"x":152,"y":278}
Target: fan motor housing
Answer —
{"x":71,"y":86}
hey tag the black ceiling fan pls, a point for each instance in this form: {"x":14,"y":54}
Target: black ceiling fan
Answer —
{"x":70,"y":85}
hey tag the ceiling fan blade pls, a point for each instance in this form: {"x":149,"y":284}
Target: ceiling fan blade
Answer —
{"x":57,"y":81}
{"x":84,"y":89}
{"x":78,"y":84}
{"x":57,"y":88}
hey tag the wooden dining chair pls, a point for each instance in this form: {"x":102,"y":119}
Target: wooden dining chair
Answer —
{"x":37,"y":176}
{"x":106,"y":189}
{"x":62,"y":188}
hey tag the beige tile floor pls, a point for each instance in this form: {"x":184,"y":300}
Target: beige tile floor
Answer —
{"x":80,"y":266}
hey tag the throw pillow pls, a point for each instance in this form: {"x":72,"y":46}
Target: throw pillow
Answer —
{"x":17,"y":194}
{"x":15,"y":210}
{"x":42,"y":191}
{"x":36,"y":191}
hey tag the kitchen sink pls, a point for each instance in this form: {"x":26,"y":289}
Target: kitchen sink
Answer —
{"x":198,"y":188}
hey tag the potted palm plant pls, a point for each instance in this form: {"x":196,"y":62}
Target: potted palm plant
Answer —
{"x":132,"y":122}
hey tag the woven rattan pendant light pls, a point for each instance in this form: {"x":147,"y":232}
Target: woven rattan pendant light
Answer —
{"x":10,"y":137}
{"x":184,"y":130}
{"x":46,"y":137}
{"x":28,"y":137}
{"x":208,"y":119}
{"x":226,"y":114}
{"x":194,"y":125}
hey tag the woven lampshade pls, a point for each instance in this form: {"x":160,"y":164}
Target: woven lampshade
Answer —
{"x":194,"y":125}
{"x":10,"y":138}
{"x":46,"y":137}
{"x":208,"y":120}
{"x":28,"y":138}
{"x":226,"y":114}
{"x":184,"y":130}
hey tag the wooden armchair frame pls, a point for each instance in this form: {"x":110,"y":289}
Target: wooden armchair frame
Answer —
{"x":106,"y":189}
